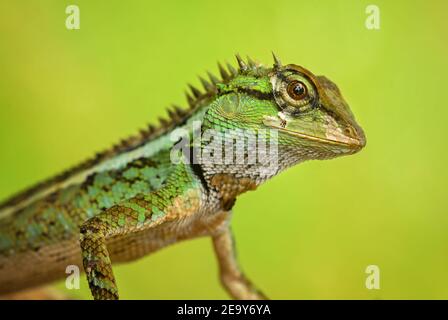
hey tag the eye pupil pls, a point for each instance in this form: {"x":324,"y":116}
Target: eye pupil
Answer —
{"x":297,"y":90}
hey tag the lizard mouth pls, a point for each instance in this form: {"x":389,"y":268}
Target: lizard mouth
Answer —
{"x":334,"y":138}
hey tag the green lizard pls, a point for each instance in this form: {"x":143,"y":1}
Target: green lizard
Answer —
{"x":162,"y":186}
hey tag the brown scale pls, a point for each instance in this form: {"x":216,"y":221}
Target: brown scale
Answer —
{"x":229,"y":187}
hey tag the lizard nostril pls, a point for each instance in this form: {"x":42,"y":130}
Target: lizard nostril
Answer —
{"x":350,"y":131}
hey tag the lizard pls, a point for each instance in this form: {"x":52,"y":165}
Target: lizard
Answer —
{"x":157,"y":188}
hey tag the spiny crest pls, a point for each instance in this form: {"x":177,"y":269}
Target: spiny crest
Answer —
{"x":241,"y":63}
{"x":176,"y":116}
{"x":277,"y":62}
{"x":226,"y":74}
{"x":248,"y":66}
{"x":195,"y":96}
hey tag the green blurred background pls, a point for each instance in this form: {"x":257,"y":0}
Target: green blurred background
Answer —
{"x":310,"y":232}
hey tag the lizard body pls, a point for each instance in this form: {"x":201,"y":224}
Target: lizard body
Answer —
{"x":138,"y":197}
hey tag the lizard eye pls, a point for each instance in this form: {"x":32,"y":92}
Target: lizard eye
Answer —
{"x":293,"y":91}
{"x":297,"y":90}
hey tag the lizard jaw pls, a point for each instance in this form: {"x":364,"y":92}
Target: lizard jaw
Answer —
{"x":343,"y":140}
{"x":333,"y":137}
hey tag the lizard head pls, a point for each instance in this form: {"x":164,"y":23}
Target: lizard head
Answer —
{"x":312,"y":112}
{"x":308,"y":111}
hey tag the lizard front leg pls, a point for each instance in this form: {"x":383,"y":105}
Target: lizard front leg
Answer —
{"x":119,"y":219}
{"x":232,"y":278}
{"x":178,"y":198}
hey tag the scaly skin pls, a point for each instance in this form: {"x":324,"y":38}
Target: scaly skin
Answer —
{"x":134,"y":198}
